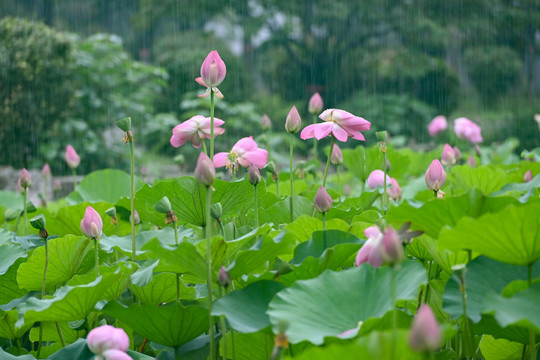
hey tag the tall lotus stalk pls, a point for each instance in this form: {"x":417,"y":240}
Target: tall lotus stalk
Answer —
{"x":255,"y":179}
{"x":315,"y":106}
{"x":337,"y":160}
{"x":125,"y":125}
{"x":92,"y":227}
{"x":73,"y":160}
{"x":23,"y":184}
{"x":205,"y":174}
{"x":532,"y":333}
{"x":225,"y":281}
{"x":460,"y":271}
{"x":381,"y":136}
{"x":292,"y":125}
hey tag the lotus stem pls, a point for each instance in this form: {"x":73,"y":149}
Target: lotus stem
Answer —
{"x":256,"y":207}
{"x":25,"y":191}
{"x":291,"y":201}
{"x":332,"y":140}
{"x":212,"y":126}
{"x":96,"y":256}
{"x":209,"y":266}
{"x":74,"y":174}
{"x":532,"y":334}
{"x":384,"y":193}
{"x":60,"y":334}
{"x":175,"y":227}
{"x":338,"y":168}
{"x":133,"y":251}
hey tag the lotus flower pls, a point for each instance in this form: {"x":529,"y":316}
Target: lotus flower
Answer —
{"x":315,"y":104}
{"x":394,"y":191}
{"x":213,"y":71}
{"x":46,"y":171}
{"x":369,"y":252}
{"x":245,"y":153}
{"x":205,"y":172}
{"x":448,"y":156}
{"x":337,"y":155}
{"x":105,"y":338}
{"x":91,"y":223}
{"x":435,"y":175}
{"x":322,"y":201}
{"x":468,"y":130}
{"x":24,"y":180}
{"x":340,"y":123}
{"x":195,"y":129}
{"x":293,"y":121}
{"x":425,"y":332}
{"x":376,"y":179}
{"x":437,"y":125}
{"x":72,"y":158}
{"x":113,"y":354}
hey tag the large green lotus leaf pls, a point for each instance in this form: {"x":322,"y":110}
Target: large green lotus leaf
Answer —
{"x":484,"y":276}
{"x":303,"y":227}
{"x":280,"y":212}
{"x":170,"y":325}
{"x":485,"y":178}
{"x":444,"y":258}
{"x":8,"y":255}
{"x":123,"y":243}
{"x":362,"y":161}
{"x":519,"y":310}
{"x":511,"y":236}
{"x":9,"y":288}
{"x":253,"y":346}
{"x":245,"y":309}
{"x":8,"y":329}
{"x":322,"y":240}
{"x":12,"y":200}
{"x":520,"y":186}
{"x":50,"y":332}
{"x":69,"y":303}
{"x":109,"y":185}
{"x":336,"y":301}
{"x":7,"y":356}
{"x":432,"y":216}
{"x":500,"y":349}
{"x":80,"y":351}
{"x":144,"y":273}
{"x":66,"y":255}
{"x":488,"y":325}
{"x":162,"y":289}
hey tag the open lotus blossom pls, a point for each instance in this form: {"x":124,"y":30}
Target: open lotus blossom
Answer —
{"x":376,"y":179}
{"x":448,"y":156}
{"x":244,"y":153}
{"x":72,"y":158}
{"x":315,"y":103}
{"x":369,"y":252}
{"x":340,"y":123}
{"x":108,"y":343}
{"x":394,"y":191}
{"x":468,"y":130}
{"x":213,"y":71}
{"x":195,"y":129}
{"x":437,"y":125}
{"x":91,"y":223}
{"x":425,"y":332}
{"x":435,"y":176}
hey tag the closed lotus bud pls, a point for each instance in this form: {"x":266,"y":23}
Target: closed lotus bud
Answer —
{"x":435,"y":176}
{"x":381,"y":135}
{"x":315,"y":104}
{"x":24,"y":181}
{"x":471,"y":161}
{"x":376,"y":179}
{"x":124,"y":124}
{"x":91,"y":223}
{"x":448,"y":156}
{"x":457,"y":153}
{"x":322,"y":201}
{"x":528,"y":176}
{"x":205,"y":172}
{"x":57,"y":184}
{"x":394,"y":191}
{"x":425,"y":332}
{"x":213,"y":69}
{"x":46,"y":171}
{"x":38,"y":222}
{"x":270,"y":166}
{"x":137,"y":218}
{"x":105,"y":338}
{"x":163,"y":206}
{"x":113,"y":354}
{"x":390,"y":247}
{"x":216,"y":210}
{"x":224,"y":278}
{"x":266,"y":123}
{"x":337,"y":155}
{"x":254,"y":175}
{"x":293,"y":121}
{"x":72,"y":158}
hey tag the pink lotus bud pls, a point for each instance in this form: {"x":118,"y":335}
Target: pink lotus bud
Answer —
{"x":205,"y":171}
{"x":437,"y":125}
{"x":528,"y":176}
{"x":468,"y":130}
{"x":471,"y":161}
{"x":213,"y":69}
{"x":293,"y":121}
{"x":114,"y":354}
{"x":137,"y":217}
{"x":91,"y":223}
{"x":369,"y":252}
{"x":425,"y":332}
{"x":266,"y":123}
{"x":224,"y":278}
{"x":394,"y":191}
{"x":435,"y":175}
{"x":390,"y":247}
{"x":337,"y":155}
{"x":254,"y":175}
{"x":105,"y":338}
{"x":376,"y":179}
{"x":57,"y":184}
{"x":72,"y":158}
{"x":46,"y":171}
{"x":448,"y":156}
{"x":322,"y":201}
{"x":24,"y":181}
{"x":347,"y":190}
{"x":315,"y":104}
{"x":457,"y":153}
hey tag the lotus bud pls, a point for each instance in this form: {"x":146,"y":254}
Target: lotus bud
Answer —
{"x":528,"y":176}
{"x":124,"y":124}
{"x":390,"y":247}
{"x":457,"y":153}
{"x":293,"y":121}
{"x":24,"y":181}
{"x":471,"y":161}
{"x":376,"y":179}
{"x":205,"y":172}
{"x":437,"y":125}
{"x":315,"y":104}
{"x":216,"y":210}
{"x":254,"y":175}
{"x":10,"y":214}
{"x":91,"y":223}
{"x":163,"y":206}
{"x":114,"y":354}
{"x":266,"y":123}
{"x":381,"y":135}
{"x":57,"y":185}
{"x":337,"y":155}
{"x":425,"y":332}
{"x":435,"y":176}
{"x":136,"y":218}
{"x":46,"y":171}
{"x":107,"y":337}
{"x":448,"y":156}
{"x":224,"y":278}
{"x":322,"y":201}
{"x":38,"y":222}
{"x":394,"y":191}
{"x":213,"y":69}
{"x":347,"y":190}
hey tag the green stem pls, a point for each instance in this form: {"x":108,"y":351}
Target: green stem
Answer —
{"x":74,"y":174}
{"x":212,"y":126}
{"x":60,"y":334}
{"x":426,"y":297}
{"x":96,"y":256}
{"x":204,"y":146}
{"x":315,"y":141}
{"x":467,"y":335}
{"x":43,"y":286}
{"x":175,"y":227}
{"x":384,"y":193}
{"x":332,"y":140}
{"x":222,"y":229}
{"x":393,"y":298}
{"x":209,"y":269}
{"x":532,"y":334}
{"x":133,"y":251}
{"x":291,"y":149}
{"x":256,"y":207}
{"x":223,"y":326}
{"x":338,"y":168}
{"x":324,"y":225}
{"x":277,"y":186}
{"x":24,"y":211}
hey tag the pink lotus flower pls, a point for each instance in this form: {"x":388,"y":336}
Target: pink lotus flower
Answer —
{"x":425,"y":332}
{"x":114,"y":354}
{"x":435,"y":175}
{"x":394,"y":191}
{"x":337,"y":155}
{"x":369,"y":252}
{"x":24,"y":180}
{"x":322,"y":201}
{"x":390,"y":247}
{"x":376,"y":179}
{"x":105,"y":338}
{"x":195,"y":129}
{"x":315,"y":104}
{"x":72,"y":158}
{"x":448,"y":156}
{"x":293,"y":121}
{"x":528,"y":176}
{"x":340,"y":123}
{"x":91,"y":223}
{"x":213,"y":71}
{"x":437,"y":125}
{"x":245,"y":153}
{"x":46,"y":170}
{"x":468,"y":130}
{"x":205,"y":172}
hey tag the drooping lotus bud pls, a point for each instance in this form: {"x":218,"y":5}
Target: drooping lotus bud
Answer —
{"x":105,"y":338}
{"x":205,"y":172}
{"x":163,"y":206}
{"x":91,"y":223}
{"x":448,"y":156}
{"x":136,"y":218}
{"x":435,"y":176}
{"x":216,"y":210}
{"x":322,"y":201}
{"x":213,"y":69}
{"x":224,"y":278}
{"x":293,"y":121}
{"x":315,"y":104}
{"x":471,"y":161}
{"x":254,"y":175}
{"x":266,"y":123}
{"x":425,"y":332}
{"x":528,"y":176}
{"x":24,"y":181}
{"x":72,"y":158}
{"x":390,"y":247}
{"x":46,"y":171}
{"x":394,"y":191}
{"x":337,"y":155}
{"x":38,"y":222}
